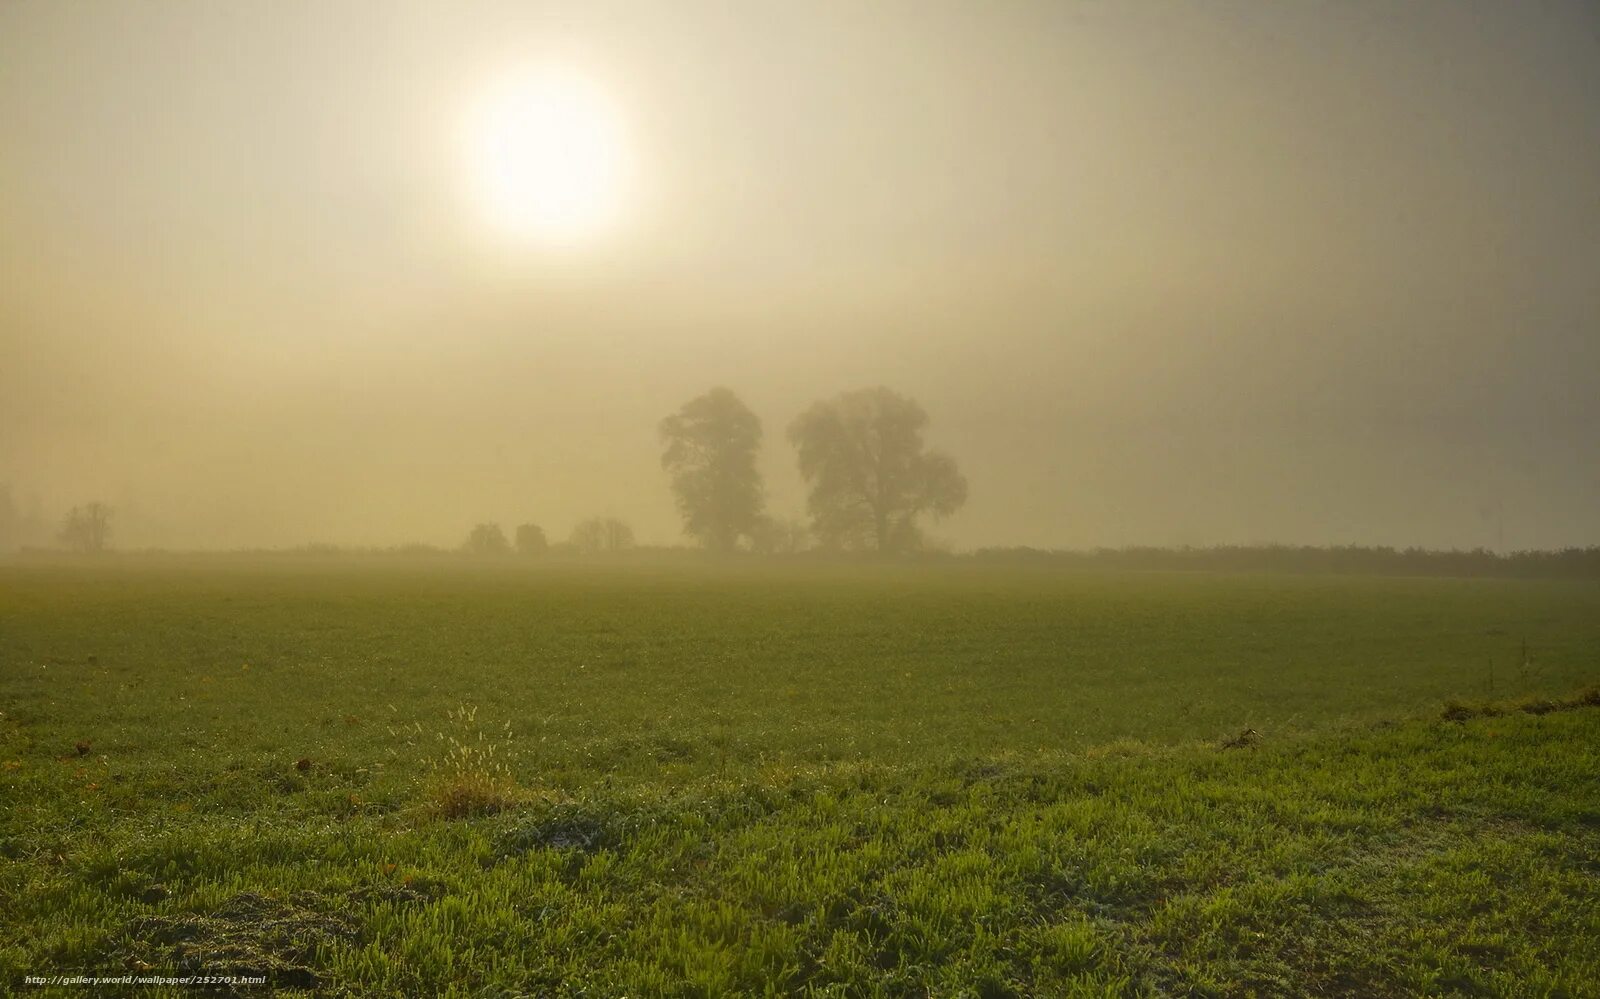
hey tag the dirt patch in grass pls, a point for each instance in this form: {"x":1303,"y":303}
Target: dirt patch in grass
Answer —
{"x":249,"y":935}
{"x":1458,"y":711}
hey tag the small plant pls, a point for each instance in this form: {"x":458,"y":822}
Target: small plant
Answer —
{"x":1244,"y":740}
{"x":473,"y":776}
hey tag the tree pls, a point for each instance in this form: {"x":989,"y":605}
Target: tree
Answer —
{"x":531,"y":540}
{"x":711,"y":445}
{"x":87,"y":528}
{"x":602,"y":534}
{"x":486,"y":539}
{"x":870,"y":478}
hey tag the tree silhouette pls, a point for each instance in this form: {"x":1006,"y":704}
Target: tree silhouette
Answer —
{"x":870,"y":478}
{"x":87,"y":528}
{"x":602,"y":534}
{"x":486,"y":539}
{"x":711,"y":445}
{"x":531,"y":540}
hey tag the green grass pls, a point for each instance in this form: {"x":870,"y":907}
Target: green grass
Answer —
{"x":856,"y":780}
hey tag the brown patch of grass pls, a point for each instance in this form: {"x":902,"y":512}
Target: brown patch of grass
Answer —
{"x":465,"y":794}
{"x":1460,"y":711}
{"x":474,"y":776}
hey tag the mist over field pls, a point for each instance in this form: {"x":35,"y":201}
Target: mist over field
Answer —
{"x":1036,"y":498}
{"x":1159,"y":273}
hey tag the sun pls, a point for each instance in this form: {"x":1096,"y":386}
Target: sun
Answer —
{"x":547,"y":156}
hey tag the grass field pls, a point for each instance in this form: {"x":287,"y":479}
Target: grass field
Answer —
{"x":391,"y":777}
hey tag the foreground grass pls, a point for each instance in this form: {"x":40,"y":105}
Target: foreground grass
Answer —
{"x":854,"y":781}
{"x":1427,"y":858}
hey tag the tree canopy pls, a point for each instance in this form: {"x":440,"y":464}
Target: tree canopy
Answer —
{"x":531,"y":540}
{"x":870,"y":477}
{"x":486,"y":539}
{"x":710,"y":452}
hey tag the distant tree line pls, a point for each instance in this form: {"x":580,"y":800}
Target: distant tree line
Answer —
{"x":869,"y":476}
{"x":1577,"y":563}
{"x":871,"y":481}
{"x":85,"y":529}
{"x":1568,"y":563}
{"x":597,"y":534}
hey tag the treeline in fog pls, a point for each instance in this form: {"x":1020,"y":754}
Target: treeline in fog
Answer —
{"x":1375,"y":560}
{"x":871,"y":484}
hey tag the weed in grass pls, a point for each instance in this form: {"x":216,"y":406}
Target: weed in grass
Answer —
{"x":472,"y":776}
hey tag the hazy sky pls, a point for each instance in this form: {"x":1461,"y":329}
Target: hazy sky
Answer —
{"x":1195,"y":272}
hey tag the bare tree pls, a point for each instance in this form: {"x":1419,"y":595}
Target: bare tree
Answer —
{"x":711,"y":445}
{"x":870,"y":477}
{"x":602,"y":534}
{"x":531,"y":540}
{"x":87,"y":528}
{"x":486,"y":539}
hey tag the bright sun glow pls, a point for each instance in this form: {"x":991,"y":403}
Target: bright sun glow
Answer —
{"x":548,"y":157}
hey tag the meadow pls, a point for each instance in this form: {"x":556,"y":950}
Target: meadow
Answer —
{"x":666,"y":776}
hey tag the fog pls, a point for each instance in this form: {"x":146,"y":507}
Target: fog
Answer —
{"x":1160,"y":273}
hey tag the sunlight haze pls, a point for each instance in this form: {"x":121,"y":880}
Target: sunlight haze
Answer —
{"x":1160,"y":273}
{"x":548,"y":158}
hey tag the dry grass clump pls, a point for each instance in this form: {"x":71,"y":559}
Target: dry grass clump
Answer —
{"x":474,"y":776}
{"x":465,"y":795}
